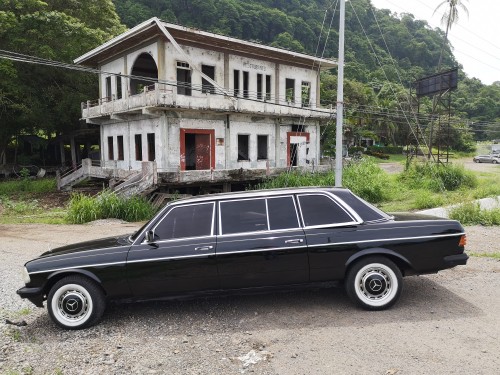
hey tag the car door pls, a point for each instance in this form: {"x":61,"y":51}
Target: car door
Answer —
{"x":181,"y":258}
{"x":260,"y":243}
{"x":330,"y":230}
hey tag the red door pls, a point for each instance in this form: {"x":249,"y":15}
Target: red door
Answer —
{"x":202,"y":151}
{"x":197,"y":149}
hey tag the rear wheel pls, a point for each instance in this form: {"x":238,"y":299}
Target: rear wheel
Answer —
{"x":374,"y":283}
{"x":495,"y":162}
{"x":75,"y":302}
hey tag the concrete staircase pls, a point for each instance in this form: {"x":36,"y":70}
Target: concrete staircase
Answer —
{"x":127,"y":182}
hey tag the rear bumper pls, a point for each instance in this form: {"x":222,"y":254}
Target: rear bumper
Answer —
{"x":456,"y":260}
{"x":34,"y":295}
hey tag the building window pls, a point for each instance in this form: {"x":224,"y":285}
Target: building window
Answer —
{"x":138,"y":147}
{"x":183,"y":78}
{"x":259,"y":86}
{"x":245,"y":84}
{"x":262,"y":147}
{"x":151,"y":147}
{"x":108,"y":88}
{"x":243,"y":146}
{"x":207,"y":87}
{"x":111,"y":152}
{"x":119,"y":87}
{"x":236,"y":78}
{"x":119,"y":140}
{"x":290,"y":90}
{"x":306,"y":93}
{"x":268,"y":87}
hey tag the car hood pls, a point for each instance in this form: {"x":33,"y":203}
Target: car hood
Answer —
{"x":102,"y":243}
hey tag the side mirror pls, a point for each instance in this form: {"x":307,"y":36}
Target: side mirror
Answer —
{"x":150,"y":236}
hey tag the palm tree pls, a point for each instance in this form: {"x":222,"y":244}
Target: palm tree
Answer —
{"x":449,"y":18}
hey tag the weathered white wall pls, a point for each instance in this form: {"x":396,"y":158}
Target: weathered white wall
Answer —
{"x":128,"y":130}
{"x":117,"y":67}
{"x":197,"y":57}
{"x":299,"y":75}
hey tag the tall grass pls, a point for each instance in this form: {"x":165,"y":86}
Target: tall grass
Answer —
{"x":83,"y":209}
{"x":364,"y":178}
{"x":27,"y":185}
{"x":472,"y":214}
{"x":438,"y":177}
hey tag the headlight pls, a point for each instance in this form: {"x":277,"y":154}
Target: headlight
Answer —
{"x":26,"y":276}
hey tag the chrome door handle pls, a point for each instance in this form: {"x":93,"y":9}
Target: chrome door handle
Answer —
{"x":203,"y":248}
{"x":296,"y":240}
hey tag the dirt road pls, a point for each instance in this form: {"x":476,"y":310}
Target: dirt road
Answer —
{"x":447,"y":323}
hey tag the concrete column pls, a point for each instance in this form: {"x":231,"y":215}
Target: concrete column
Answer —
{"x":74,"y":161}
{"x":318,"y":99}
{"x":161,"y":60}
{"x":61,"y":150}
{"x":277,"y":83}
{"x":226,"y":71}
{"x":227,"y":143}
{"x":277,"y":143}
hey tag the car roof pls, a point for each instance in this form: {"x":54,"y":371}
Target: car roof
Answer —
{"x":259,"y":193}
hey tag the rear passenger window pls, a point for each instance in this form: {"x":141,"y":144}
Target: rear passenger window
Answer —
{"x":282,"y":213}
{"x":321,"y":210}
{"x":243,"y":216}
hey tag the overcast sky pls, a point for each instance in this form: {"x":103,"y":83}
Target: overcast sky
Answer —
{"x":475,"y":39}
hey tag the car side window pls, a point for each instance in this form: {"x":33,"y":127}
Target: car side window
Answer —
{"x":195,"y":220}
{"x":321,"y":210}
{"x":282,"y":213}
{"x":240,"y":216}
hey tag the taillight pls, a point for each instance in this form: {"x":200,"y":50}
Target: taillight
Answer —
{"x":463,"y":240}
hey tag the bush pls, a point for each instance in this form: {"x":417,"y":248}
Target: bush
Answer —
{"x":83,"y":209}
{"x":472,"y":214}
{"x":393,"y":150}
{"x":438,"y":177}
{"x":376,"y":154}
{"x":363,"y":178}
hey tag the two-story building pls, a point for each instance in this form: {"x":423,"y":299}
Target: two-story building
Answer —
{"x":207,"y":109}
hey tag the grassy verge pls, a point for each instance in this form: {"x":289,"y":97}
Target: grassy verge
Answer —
{"x":24,"y":209}
{"x":83,"y":209}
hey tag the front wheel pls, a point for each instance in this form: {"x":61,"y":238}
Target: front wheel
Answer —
{"x":374,"y":283}
{"x":75,"y":302}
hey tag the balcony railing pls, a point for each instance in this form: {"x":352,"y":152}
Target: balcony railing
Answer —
{"x":161,"y":95}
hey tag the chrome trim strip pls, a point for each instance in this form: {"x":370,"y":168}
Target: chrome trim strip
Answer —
{"x":388,"y":239}
{"x":261,"y":250}
{"x":77,"y":267}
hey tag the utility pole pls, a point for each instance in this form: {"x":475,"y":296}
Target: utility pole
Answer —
{"x":340,"y":99}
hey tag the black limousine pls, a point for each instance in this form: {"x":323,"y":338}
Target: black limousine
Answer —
{"x":235,"y":242}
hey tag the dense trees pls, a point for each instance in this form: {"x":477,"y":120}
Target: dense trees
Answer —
{"x":385,"y":52}
{"x":40,"y":99}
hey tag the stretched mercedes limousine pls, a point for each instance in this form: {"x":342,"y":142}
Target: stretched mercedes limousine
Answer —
{"x":234,"y":242}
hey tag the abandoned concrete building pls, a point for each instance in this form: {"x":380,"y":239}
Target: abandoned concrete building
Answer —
{"x":185,"y":109}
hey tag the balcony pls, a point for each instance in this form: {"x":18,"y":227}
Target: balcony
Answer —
{"x":158,"y":97}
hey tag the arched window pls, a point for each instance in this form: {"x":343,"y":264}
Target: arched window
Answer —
{"x":144,"y":66}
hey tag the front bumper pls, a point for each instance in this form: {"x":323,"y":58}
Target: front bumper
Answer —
{"x":456,"y":260}
{"x":34,"y":295}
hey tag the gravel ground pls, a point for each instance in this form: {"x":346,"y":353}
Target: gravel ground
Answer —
{"x":443,"y":324}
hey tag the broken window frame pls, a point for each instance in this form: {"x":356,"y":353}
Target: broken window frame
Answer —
{"x":119,"y":141}
{"x":305,"y":93}
{"x":243,"y":147}
{"x":290,"y":90}
{"x":262,"y":152}
{"x":184,"y":83}
{"x":150,"y":138}
{"x":111,"y":151}
{"x":207,"y":87}
{"x":138,"y":147}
